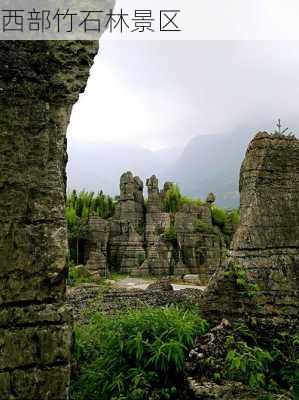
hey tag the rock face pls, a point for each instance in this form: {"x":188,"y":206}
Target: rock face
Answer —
{"x":163,"y":284}
{"x":40,"y":81}
{"x":201,"y":244}
{"x":126,"y":252}
{"x":131,"y":204}
{"x":96,"y":249}
{"x":266,"y":244}
{"x":143,"y":240}
{"x":160,"y":252}
{"x":126,"y":239}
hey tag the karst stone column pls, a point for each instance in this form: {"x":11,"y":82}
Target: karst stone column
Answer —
{"x":266,"y":244}
{"x":39,"y":83}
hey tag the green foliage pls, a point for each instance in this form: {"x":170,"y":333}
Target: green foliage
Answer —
{"x":170,"y":235}
{"x":235,"y":216}
{"x":139,"y":355}
{"x":219,"y":216}
{"x":187,"y":200}
{"x":239,"y":276}
{"x":78,"y":209}
{"x":272,"y":366}
{"x":75,"y":278}
{"x":285,"y":352}
{"x":172,"y":199}
{"x":249,"y":364}
{"x":226,"y":220}
{"x":201,"y":226}
{"x":85,"y":203}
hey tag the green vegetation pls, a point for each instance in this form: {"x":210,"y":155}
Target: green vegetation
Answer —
{"x":234,"y":215}
{"x":138,"y":355}
{"x":189,"y":201}
{"x":226,"y":220}
{"x":235,"y":272}
{"x":201,"y":226}
{"x":173,"y":200}
{"x":79,"y":206}
{"x":74,"y":277}
{"x":249,"y":364}
{"x":170,"y":235}
{"x":272,"y":366}
{"x":219,"y":216}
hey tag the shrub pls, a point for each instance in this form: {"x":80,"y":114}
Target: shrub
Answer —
{"x":79,"y":207}
{"x":235,"y":216}
{"x":187,"y":200}
{"x":170,"y":235}
{"x":172,"y":199}
{"x":139,"y":355}
{"x":75,"y":277}
{"x":201,"y":226}
{"x":239,"y":276}
{"x":269,"y":365}
{"x":285,"y":352}
{"x":249,"y":364}
{"x":219,"y":216}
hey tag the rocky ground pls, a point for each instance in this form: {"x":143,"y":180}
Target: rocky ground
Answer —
{"x":139,"y":283}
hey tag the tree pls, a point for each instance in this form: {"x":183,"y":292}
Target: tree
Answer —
{"x":79,"y":207}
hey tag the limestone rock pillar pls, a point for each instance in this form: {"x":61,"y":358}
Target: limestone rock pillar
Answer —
{"x":39,"y":83}
{"x":266,"y":244}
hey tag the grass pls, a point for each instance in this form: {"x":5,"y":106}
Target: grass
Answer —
{"x":137,"y":355}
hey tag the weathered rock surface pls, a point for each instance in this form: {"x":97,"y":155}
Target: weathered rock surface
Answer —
{"x":92,"y":298}
{"x":160,"y":253}
{"x":40,"y":81}
{"x":147,"y":240}
{"x":131,"y":205}
{"x":163,"y":284}
{"x":228,"y":390}
{"x":126,"y":237}
{"x":266,"y":244}
{"x":126,"y":252}
{"x":201,"y":245}
{"x":96,"y":247}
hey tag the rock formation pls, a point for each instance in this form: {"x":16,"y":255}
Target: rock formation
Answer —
{"x":131,"y":204}
{"x":148,"y":240}
{"x":96,"y":248}
{"x":266,"y":244}
{"x":39,"y":83}
{"x":200,"y":243}
{"x":126,"y":239}
{"x":159,"y":252}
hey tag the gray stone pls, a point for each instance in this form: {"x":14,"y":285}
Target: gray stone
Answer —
{"x":266,"y":244}
{"x":41,"y":81}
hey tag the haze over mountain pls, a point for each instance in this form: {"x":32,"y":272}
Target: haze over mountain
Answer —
{"x":184,"y":111}
{"x":99,"y":166}
{"x":208,"y":163}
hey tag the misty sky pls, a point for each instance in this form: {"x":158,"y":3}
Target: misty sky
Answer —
{"x":162,"y":94}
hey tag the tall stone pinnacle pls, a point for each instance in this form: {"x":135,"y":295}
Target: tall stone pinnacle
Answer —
{"x":266,"y":244}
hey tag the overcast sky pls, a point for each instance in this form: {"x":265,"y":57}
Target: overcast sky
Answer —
{"x":161,"y":94}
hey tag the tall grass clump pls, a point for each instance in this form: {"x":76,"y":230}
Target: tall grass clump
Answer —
{"x":138,"y":355}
